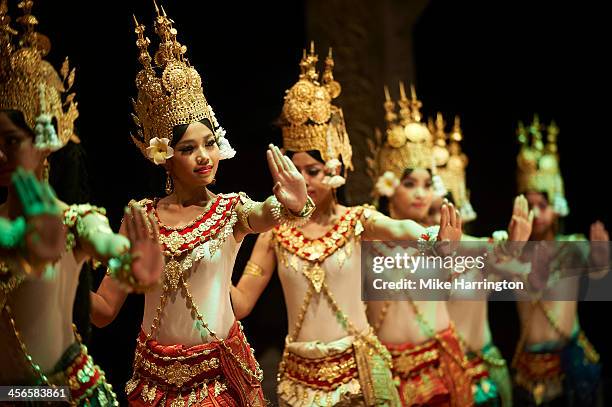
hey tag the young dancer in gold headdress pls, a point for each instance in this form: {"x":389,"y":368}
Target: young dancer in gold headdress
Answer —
{"x":331,"y":356}
{"x":554,"y":361}
{"x":36,"y":331}
{"x":428,"y":358}
{"x":191,"y":350}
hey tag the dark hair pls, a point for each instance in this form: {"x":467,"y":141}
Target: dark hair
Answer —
{"x":18,"y":120}
{"x":543,"y":193}
{"x":179,"y":130}
{"x":316,"y":154}
{"x":383,"y":201}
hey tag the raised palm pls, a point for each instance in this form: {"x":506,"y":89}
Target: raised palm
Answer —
{"x":45,"y":236}
{"x":519,"y":228}
{"x":600,"y":252}
{"x":450,"y":223}
{"x":143,"y":233}
{"x":289,"y":185}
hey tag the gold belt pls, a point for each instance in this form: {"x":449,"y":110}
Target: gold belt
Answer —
{"x":176,"y":373}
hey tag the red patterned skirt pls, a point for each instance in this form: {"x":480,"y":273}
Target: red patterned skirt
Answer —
{"x":219,"y":374}
{"x":87,"y":383}
{"x":432,"y":373}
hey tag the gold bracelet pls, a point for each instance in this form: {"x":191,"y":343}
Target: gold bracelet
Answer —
{"x":283,"y":216}
{"x":253,"y":269}
{"x":248,"y":205}
{"x":25,"y":265}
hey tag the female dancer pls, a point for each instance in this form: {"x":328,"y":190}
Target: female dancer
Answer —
{"x":428,"y":357}
{"x":331,"y":355}
{"x":33,"y":123}
{"x":191,"y":349}
{"x":554,"y":361}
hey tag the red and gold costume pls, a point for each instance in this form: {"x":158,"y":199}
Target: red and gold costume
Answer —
{"x":343,"y":364}
{"x":566,"y":367}
{"x":191,"y":351}
{"x":222,"y":372}
{"x":433,"y":372}
{"x":31,"y":307}
{"x":354,"y":369}
{"x":60,"y":360}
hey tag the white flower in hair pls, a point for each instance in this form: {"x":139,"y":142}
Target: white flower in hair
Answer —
{"x":159,"y":150}
{"x":387,"y":183}
{"x":335,"y":181}
{"x":500,"y":236}
{"x":46,"y":137}
{"x":560,"y":205}
{"x":225,"y":149}
{"x":467,"y":212}
{"x":438,"y":186}
{"x":215,"y":123}
{"x":332,"y":164}
{"x":220,"y":133}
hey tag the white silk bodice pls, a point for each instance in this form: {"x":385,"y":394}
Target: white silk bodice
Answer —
{"x":210,"y":283}
{"x":42,"y":310}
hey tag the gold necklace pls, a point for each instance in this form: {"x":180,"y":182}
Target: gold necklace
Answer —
{"x":209,"y":203}
{"x":170,"y":284}
{"x":33,"y":365}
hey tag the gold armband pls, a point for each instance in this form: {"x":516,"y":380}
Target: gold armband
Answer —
{"x":253,"y":269}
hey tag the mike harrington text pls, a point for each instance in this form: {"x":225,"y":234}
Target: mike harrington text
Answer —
{"x":438,"y":284}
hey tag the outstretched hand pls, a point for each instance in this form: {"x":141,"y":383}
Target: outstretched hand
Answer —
{"x":45,"y":238}
{"x":519,"y":228}
{"x":289,"y":185}
{"x":450,"y":223}
{"x":147,"y":257}
{"x":600,"y":252}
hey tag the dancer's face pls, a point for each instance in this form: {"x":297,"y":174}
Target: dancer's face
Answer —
{"x":16,"y":149}
{"x":544,"y":215}
{"x":413,"y":197}
{"x":196,"y":157}
{"x":313,"y":172}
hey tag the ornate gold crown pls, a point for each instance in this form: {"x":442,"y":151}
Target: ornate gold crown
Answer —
{"x":408,"y":142}
{"x":31,"y":85}
{"x":538,"y":163}
{"x":309,"y":120}
{"x":451,"y":163}
{"x":173,"y":97}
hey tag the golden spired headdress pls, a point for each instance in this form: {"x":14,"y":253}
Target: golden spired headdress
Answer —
{"x":538,"y":164}
{"x":31,"y":85}
{"x":451,"y":163}
{"x":170,"y":92}
{"x":310,"y":121}
{"x":408,"y":143}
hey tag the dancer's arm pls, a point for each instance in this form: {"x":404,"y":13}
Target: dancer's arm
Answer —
{"x":142,"y":267}
{"x":599,"y":258}
{"x":380,"y":227}
{"x":255,"y":277}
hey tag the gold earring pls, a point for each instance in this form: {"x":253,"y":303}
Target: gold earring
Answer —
{"x":169,"y":183}
{"x":46,"y":170}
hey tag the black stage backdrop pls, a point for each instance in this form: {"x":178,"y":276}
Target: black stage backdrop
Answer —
{"x":493,"y":63}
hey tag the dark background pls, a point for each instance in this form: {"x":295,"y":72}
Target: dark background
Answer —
{"x":491,"y":62}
